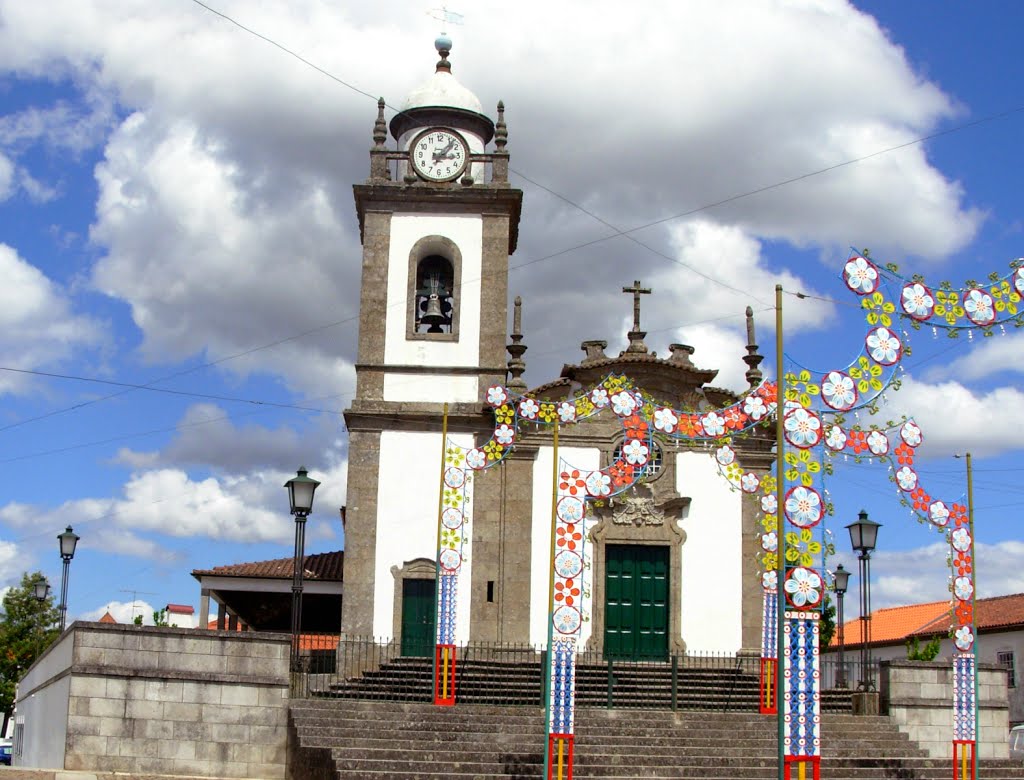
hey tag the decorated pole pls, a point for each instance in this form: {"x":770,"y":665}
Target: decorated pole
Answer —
{"x":780,"y":497}
{"x":444,"y":650}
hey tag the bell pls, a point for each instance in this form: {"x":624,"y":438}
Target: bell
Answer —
{"x":433,"y":316}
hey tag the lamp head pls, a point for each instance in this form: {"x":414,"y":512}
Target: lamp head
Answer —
{"x":841,"y":579}
{"x":863,"y":533}
{"x":68,"y":541}
{"x":301,"y":488}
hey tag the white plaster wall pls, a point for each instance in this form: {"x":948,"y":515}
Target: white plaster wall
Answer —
{"x":583,"y":458}
{"x":410,"y":465}
{"x":42,"y":707}
{"x":419,"y":387}
{"x":467,"y":233}
{"x":710,"y":590}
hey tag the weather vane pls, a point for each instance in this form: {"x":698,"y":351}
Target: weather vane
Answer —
{"x":445,"y":16}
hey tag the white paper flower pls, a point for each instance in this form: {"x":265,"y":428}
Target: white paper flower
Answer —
{"x":911,"y":434}
{"x":769,"y":504}
{"x":803,"y":506}
{"x":906,"y":478}
{"x":504,"y":435}
{"x":770,"y":542}
{"x":835,"y":438}
{"x":635,"y":452}
{"x":939,"y":513}
{"x":566,"y":412}
{"x":599,"y":484}
{"x":803,"y":587}
{"x":528,"y":408}
{"x":749,"y":482}
{"x":978,"y":305}
{"x":476,"y":459}
{"x":755,"y":407}
{"x":713,"y":423}
{"x":963,"y":638}
{"x":496,"y":395}
{"x":883,"y":346}
{"x":599,"y":397}
{"x":665,"y":420}
{"x":838,"y":390}
{"x":623,"y":404}
{"x":917,"y":301}
{"x":803,"y":429}
{"x":1018,"y":280}
{"x":725,"y":455}
{"x":770,"y":580}
{"x":861,"y":276}
{"x":961,"y":540}
{"x":963,"y":588}
{"x":878,"y":443}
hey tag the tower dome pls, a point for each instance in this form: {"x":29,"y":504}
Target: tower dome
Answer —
{"x":442,"y":100}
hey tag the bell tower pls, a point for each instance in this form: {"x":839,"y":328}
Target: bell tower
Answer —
{"x":438,"y":221}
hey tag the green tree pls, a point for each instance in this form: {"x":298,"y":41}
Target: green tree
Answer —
{"x":27,"y":627}
{"x":927,"y":653}
{"x":827,"y":624}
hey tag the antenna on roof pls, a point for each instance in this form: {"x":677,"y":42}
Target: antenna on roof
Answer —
{"x":135,"y":594}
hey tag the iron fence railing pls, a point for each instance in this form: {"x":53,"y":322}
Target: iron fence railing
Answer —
{"x":849,"y":675}
{"x":503,"y":673}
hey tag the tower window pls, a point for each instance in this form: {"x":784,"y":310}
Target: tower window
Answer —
{"x":434,"y":301}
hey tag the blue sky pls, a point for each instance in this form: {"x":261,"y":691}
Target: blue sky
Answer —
{"x":176,"y":212}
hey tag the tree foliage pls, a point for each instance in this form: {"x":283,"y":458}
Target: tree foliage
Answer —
{"x":927,"y":653}
{"x":27,"y":627}
{"x":827,"y":624}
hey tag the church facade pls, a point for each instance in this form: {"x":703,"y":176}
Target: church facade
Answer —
{"x":671,"y":566}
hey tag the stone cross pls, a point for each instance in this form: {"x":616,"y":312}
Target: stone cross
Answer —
{"x":636,"y":336}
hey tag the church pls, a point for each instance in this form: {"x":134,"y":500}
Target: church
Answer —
{"x":671,"y":566}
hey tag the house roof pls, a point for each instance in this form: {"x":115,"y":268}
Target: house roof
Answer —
{"x":180,"y":609}
{"x":327,"y":567}
{"x":895,"y":625}
{"x":107,"y":618}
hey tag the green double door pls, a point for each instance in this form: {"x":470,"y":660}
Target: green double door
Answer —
{"x":418,"y":618}
{"x":636,"y":602}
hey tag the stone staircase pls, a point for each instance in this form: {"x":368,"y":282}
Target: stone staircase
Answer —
{"x":340,"y":739}
{"x":647,"y":685}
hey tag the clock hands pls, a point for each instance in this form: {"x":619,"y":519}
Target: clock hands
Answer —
{"x":445,"y":154}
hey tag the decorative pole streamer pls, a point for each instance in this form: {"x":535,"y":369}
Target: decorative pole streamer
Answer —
{"x":965,"y":672}
{"x":444,"y":652}
{"x":780,"y":565}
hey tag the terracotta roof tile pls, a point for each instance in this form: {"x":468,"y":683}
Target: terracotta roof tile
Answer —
{"x":897,"y":624}
{"x":107,"y":618}
{"x":180,"y":609}
{"x":327,"y":567}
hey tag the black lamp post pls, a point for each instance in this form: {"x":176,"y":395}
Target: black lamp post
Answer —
{"x":41,"y":589}
{"x":68,"y":541}
{"x":300,"y":496}
{"x":841,"y":579}
{"x":863,"y":535}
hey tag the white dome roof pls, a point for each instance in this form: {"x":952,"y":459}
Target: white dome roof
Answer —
{"x":443,"y":90}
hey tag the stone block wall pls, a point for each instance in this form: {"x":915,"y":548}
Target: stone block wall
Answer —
{"x":918,"y":696}
{"x":146,"y":700}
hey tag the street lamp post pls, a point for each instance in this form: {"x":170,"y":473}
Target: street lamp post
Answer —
{"x":863,"y":535}
{"x":300,"y":497}
{"x":842,"y":582}
{"x":68,"y":541}
{"x":41,"y":589}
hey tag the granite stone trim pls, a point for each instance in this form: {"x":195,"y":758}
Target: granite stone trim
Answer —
{"x":449,"y":250}
{"x":376,"y":235}
{"x":361,"y":527}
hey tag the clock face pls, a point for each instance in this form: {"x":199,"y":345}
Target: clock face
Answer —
{"x":439,"y":155}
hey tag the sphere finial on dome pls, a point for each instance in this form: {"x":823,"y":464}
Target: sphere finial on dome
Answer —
{"x":443,"y":44}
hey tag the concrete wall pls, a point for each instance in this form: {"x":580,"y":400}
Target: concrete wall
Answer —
{"x":918,"y":696}
{"x":149,"y":700}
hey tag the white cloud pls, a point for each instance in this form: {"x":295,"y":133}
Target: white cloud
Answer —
{"x":955,"y":418}
{"x":6,"y":177}
{"x":37,"y":325}
{"x":921,"y":574}
{"x":123,"y":611}
{"x":12,"y":563}
{"x":996,"y":355}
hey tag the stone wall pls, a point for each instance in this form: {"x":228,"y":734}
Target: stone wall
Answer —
{"x":918,"y":696}
{"x":146,"y":700}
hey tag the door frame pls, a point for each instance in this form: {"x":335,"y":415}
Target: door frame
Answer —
{"x":632,"y":520}
{"x":639,"y":554}
{"x":416,"y":569}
